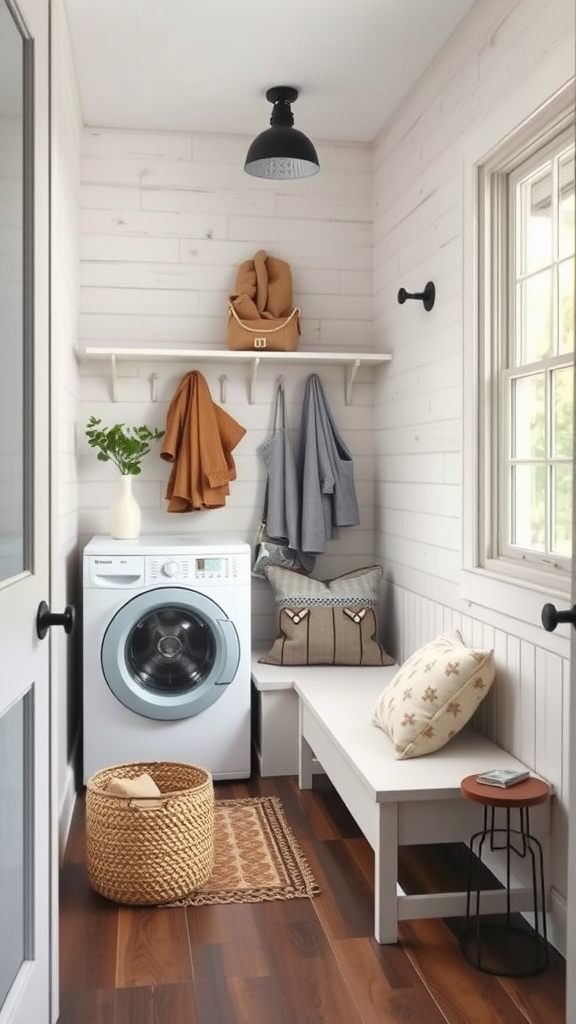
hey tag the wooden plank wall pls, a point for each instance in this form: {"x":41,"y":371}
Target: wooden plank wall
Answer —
{"x":165,"y":220}
{"x":505,"y":60}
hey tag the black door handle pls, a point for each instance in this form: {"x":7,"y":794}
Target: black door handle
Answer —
{"x":45,"y":618}
{"x":551,"y":617}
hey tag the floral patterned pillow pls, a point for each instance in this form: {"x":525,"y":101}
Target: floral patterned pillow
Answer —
{"x":433,"y":695}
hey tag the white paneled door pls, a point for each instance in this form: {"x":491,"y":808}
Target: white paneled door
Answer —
{"x":25,"y":847}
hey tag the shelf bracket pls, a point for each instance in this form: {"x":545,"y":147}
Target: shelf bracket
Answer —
{"x":223,"y":387}
{"x":351,"y":372}
{"x":253,"y":379}
{"x":153,"y":387}
{"x":113,"y":380}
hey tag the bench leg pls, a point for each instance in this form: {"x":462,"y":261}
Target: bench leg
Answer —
{"x":386,"y":874}
{"x":305,"y":757}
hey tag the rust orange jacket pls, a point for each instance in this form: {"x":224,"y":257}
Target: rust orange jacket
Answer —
{"x":199,"y":440}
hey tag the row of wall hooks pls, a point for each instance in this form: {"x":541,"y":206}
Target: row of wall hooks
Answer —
{"x":153,"y":378}
{"x":223,"y":381}
{"x":351,"y":372}
{"x":427,"y":297}
{"x":351,"y":363}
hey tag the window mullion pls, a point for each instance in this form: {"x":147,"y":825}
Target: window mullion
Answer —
{"x":507,"y":241}
{"x":555,"y":257}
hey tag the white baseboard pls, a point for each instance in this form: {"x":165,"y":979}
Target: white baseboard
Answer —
{"x":66,"y":809}
{"x":556,"y":921}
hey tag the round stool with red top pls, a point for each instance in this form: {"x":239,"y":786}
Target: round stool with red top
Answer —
{"x":504,"y":947}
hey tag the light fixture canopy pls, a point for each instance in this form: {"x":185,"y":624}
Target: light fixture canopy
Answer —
{"x":282,"y":151}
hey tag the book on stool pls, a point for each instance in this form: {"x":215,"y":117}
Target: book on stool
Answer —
{"x":502,"y":777}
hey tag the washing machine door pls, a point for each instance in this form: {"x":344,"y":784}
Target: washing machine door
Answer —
{"x":170,"y":653}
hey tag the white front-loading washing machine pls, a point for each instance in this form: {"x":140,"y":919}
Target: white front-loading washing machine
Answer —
{"x":166,"y":653}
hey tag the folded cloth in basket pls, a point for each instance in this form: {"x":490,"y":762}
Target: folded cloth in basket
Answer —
{"x":141,"y":786}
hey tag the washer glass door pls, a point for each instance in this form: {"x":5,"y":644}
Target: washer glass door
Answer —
{"x":169,"y":650}
{"x":170,"y":653}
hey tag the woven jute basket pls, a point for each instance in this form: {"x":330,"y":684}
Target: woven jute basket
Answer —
{"x":151,"y":849}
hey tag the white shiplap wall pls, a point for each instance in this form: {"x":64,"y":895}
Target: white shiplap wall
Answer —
{"x":165,"y":221}
{"x":506,"y":56}
{"x":167,"y":218}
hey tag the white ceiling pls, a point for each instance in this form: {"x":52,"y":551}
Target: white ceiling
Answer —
{"x":205,"y":65}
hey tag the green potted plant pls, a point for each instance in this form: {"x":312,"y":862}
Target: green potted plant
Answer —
{"x":126,"y":447}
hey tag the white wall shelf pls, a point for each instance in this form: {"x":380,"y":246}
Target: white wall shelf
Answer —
{"x":351,"y":361}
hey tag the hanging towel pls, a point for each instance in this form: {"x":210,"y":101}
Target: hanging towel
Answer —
{"x":282,"y":505}
{"x":327,"y":489}
{"x":199,"y":440}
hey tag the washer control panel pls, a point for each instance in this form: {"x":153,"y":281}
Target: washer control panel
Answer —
{"x":190,"y":568}
{"x":171,"y":569}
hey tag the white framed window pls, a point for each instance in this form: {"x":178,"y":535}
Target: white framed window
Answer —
{"x":533,"y":249}
{"x":524,"y":378}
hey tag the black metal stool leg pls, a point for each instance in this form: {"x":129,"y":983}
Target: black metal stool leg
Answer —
{"x":475,"y":868}
{"x":538,"y":888}
{"x":521,"y":843}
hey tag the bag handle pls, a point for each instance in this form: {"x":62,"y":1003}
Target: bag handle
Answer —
{"x":258,"y":330}
{"x":280,"y":408}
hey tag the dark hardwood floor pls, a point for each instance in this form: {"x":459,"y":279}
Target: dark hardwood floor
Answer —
{"x":295,"y":962}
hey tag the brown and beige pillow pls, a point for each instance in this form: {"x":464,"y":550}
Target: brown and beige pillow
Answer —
{"x":433,"y":695}
{"x":331,"y":622}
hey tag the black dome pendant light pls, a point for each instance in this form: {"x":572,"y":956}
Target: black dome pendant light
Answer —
{"x":282,"y":151}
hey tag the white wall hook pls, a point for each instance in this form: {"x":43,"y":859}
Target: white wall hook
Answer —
{"x":351,"y":372}
{"x":253,"y":378}
{"x":113,"y":380}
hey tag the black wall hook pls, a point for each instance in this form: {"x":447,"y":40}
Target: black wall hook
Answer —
{"x":428,"y":296}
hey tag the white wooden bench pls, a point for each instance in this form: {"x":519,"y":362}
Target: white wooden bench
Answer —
{"x":398,"y":803}
{"x":394,"y":803}
{"x":275,"y":711}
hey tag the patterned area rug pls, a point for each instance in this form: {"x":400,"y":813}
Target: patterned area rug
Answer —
{"x":256,"y":856}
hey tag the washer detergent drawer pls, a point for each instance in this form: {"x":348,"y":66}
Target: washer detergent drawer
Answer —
{"x":115,"y":572}
{"x":170,"y":653}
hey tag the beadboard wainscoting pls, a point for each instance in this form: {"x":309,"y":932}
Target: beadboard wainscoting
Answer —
{"x":526,"y":708}
{"x":526,"y":711}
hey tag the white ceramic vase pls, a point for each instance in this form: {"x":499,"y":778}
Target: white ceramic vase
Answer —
{"x":125,"y":514}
